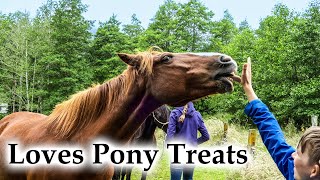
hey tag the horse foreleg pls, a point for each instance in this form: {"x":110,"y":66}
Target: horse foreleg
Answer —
{"x":129,"y":170}
{"x":144,"y":175}
{"x":117,"y":173}
{"x":123,"y":173}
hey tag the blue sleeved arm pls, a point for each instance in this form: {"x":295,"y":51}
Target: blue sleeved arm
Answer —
{"x":272,"y":137}
{"x":203,"y":130}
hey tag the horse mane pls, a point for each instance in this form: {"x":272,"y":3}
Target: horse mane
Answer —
{"x":86,"y":106}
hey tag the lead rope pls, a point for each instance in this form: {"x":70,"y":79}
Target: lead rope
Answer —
{"x":163,"y":124}
{"x":165,"y":135}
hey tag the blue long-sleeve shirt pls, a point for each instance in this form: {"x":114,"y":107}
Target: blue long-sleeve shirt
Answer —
{"x":272,"y":137}
{"x":188,"y":130}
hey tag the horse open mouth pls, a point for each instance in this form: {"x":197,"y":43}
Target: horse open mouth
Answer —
{"x":228,"y":78}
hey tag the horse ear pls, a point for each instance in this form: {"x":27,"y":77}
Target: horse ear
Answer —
{"x":129,"y":59}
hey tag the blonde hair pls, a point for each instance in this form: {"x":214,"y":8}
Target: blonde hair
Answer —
{"x":184,"y":112}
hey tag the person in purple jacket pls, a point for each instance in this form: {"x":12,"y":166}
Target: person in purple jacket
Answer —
{"x":184,"y":124}
{"x":300,"y":164}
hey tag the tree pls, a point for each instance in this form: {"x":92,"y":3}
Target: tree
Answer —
{"x":42,"y":49}
{"x":134,"y":31}
{"x":15,"y":61}
{"x":162,"y":29}
{"x":273,"y":51}
{"x":222,"y":32}
{"x":108,"y":41}
{"x":180,"y":27}
{"x":6,"y":24}
{"x":66,"y":64}
{"x":193,"y":22}
{"x":244,"y":25}
{"x":305,"y":65}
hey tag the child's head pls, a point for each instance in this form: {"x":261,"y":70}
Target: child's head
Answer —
{"x":307,"y":156}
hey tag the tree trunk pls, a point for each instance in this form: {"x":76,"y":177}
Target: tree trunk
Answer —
{"x":26,"y":74}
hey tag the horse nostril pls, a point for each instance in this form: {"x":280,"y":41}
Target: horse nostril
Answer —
{"x":225,"y":59}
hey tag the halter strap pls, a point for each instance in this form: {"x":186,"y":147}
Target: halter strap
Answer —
{"x":156,"y":119}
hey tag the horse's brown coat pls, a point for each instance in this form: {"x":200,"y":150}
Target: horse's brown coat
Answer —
{"x":118,"y":107}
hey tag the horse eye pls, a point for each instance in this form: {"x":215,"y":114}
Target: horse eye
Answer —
{"x":166,"y":58}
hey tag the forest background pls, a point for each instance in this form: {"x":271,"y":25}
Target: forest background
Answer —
{"x":45,"y":59}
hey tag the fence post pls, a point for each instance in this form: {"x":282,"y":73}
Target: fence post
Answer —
{"x":225,"y":132}
{"x":314,"y":120}
{"x":252,"y":140}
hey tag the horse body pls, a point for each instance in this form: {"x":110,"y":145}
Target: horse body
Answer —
{"x":22,"y":128}
{"x":118,"y":107}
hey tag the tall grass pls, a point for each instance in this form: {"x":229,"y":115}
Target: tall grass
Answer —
{"x":261,"y":167}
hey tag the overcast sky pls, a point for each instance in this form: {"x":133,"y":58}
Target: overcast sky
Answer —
{"x":102,"y":10}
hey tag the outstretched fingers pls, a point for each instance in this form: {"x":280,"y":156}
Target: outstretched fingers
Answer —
{"x":246,"y":73}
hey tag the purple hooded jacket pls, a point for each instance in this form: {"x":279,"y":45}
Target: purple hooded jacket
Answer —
{"x":188,"y":130}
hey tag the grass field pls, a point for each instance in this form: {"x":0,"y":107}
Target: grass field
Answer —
{"x":261,"y":167}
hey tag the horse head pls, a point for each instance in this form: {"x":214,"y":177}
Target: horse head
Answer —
{"x":177,"y":78}
{"x":161,"y":117}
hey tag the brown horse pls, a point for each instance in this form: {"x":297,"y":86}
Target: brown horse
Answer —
{"x":118,"y":107}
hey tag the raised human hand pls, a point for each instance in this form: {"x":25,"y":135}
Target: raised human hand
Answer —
{"x":246,"y":76}
{"x":246,"y":81}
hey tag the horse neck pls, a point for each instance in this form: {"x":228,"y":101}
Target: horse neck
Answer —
{"x":136,"y":116}
{"x":124,"y":116}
